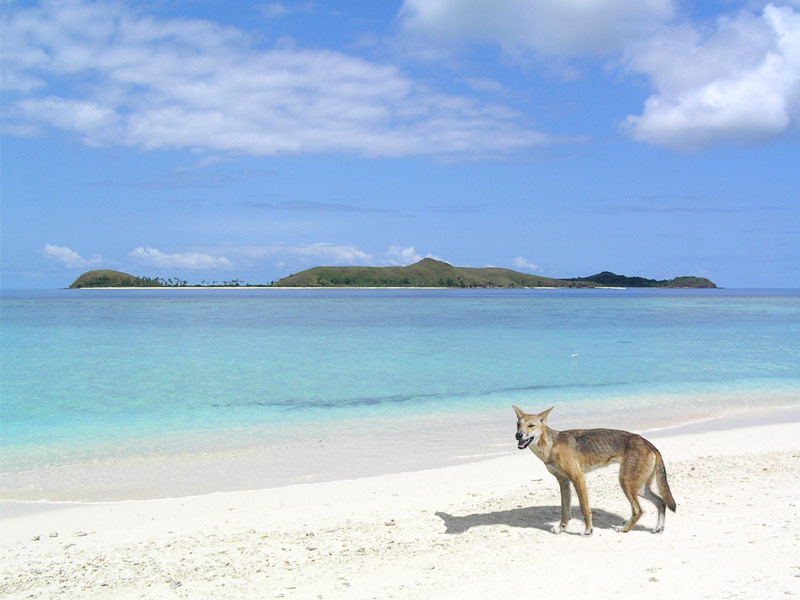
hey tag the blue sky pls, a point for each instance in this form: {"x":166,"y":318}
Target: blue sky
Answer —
{"x":220,"y":140}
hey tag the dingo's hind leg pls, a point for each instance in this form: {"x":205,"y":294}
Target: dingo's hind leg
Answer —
{"x":636,"y":511}
{"x":635,"y":472}
{"x":647,"y":492}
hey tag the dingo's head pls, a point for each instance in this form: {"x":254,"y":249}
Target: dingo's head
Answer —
{"x":530,"y":427}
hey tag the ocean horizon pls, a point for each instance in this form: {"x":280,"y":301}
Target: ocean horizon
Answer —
{"x":122,"y":394}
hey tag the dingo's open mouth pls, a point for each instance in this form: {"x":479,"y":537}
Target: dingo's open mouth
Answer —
{"x":524,"y":443}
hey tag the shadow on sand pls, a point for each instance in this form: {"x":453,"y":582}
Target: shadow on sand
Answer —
{"x":537,"y":517}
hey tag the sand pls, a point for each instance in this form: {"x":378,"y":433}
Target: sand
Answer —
{"x":478,"y":530}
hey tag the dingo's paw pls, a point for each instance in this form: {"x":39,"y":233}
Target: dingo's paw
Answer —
{"x":557,"y":528}
{"x":588,"y":532}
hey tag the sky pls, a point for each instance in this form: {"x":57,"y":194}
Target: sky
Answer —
{"x":215,"y":140}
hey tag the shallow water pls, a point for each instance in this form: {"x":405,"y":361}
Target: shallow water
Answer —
{"x":169,"y":386}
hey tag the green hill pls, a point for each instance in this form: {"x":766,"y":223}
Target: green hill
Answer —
{"x":109,"y":278}
{"x":688,"y":281}
{"x":609,"y":279}
{"x":426,"y":273}
{"x":434,"y":273}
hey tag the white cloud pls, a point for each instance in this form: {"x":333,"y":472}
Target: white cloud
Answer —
{"x":68,"y":257}
{"x":740,"y":83}
{"x":321,"y":254}
{"x":483,"y":84}
{"x":735,"y":81}
{"x":403,"y":256}
{"x":521,"y":263}
{"x":275,"y":10}
{"x":120,"y":77}
{"x":305,"y":253}
{"x":96,"y":124}
{"x":397,"y":255}
{"x":180,"y":260}
{"x":546,"y":27}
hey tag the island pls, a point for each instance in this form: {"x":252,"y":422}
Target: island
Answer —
{"x":430,"y":272}
{"x":427,"y":273}
{"x":108,"y":278}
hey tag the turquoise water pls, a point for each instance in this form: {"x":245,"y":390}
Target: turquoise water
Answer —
{"x":92,"y":372}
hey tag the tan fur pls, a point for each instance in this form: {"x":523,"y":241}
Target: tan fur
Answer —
{"x":570,"y":454}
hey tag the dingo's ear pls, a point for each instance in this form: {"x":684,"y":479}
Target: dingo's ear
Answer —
{"x":543,"y":415}
{"x":519,"y":412}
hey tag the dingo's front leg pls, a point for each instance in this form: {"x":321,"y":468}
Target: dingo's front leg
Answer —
{"x":583,"y":498}
{"x":566,"y":501}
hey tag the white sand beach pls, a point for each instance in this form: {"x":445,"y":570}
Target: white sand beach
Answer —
{"x":478,"y":530}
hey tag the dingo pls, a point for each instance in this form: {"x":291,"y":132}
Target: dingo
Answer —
{"x":570,"y":454}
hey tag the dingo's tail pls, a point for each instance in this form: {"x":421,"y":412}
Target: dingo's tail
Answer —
{"x":663,"y":486}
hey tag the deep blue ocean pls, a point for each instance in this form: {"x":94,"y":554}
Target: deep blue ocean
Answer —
{"x":88,"y":372}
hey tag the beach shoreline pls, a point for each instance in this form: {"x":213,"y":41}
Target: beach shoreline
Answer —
{"x":731,"y":419}
{"x":455,"y":531}
{"x":350,"y":449}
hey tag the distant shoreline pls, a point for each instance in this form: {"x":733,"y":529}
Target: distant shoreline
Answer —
{"x":352,"y":287}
